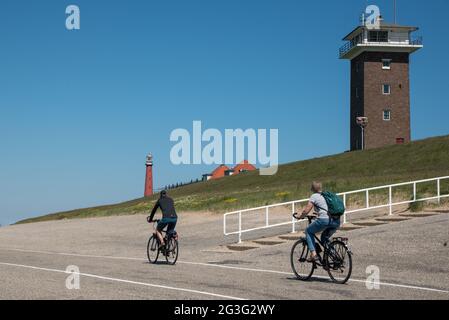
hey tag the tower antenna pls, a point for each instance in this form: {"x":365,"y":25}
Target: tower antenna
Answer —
{"x":394,"y":10}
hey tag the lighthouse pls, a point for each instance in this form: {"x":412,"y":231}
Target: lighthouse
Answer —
{"x":149,"y":176}
{"x":379,"y":56}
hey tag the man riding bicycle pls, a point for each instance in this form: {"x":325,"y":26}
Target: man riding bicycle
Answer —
{"x":169,"y":217}
{"x":324,"y":222}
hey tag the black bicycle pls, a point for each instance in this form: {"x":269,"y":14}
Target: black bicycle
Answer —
{"x":336,"y":258}
{"x":154,"y":248}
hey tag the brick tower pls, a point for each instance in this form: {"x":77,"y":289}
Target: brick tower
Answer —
{"x":380,"y":87}
{"x":149,"y":176}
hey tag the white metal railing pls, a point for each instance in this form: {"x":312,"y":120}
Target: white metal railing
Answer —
{"x":391,"y":41}
{"x":344,"y":195}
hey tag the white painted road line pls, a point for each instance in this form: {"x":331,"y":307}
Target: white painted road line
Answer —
{"x":123,"y":281}
{"x":387,"y":284}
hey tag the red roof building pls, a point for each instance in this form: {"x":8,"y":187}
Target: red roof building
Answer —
{"x":219,"y":172}
{"x":224,"y":171}
{"x":243,"y":166}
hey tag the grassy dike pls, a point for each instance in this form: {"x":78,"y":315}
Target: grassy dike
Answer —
{"x":343,"y":172}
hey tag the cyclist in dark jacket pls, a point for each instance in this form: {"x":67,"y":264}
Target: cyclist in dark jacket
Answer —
{"x":169,"y":217}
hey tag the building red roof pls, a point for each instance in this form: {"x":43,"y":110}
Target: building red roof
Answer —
{"x":243,"y":166}
{"x":224,"y":170}
{"x":219,"y":172}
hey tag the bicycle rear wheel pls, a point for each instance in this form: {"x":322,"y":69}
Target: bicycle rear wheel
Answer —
{"x":172,"y":251}
{"x":153,"y":249}
{"x":298,"y":259}
{"x":338,"y":262}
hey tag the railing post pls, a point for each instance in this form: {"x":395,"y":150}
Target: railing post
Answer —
{"x":240,"y":227}
{"x":414,"y":191}
{"x":367,"y":199}
{"x":439,"y":191}
{"x":293,"y":218}
{"x":267,"y":223}
{"x":224,"y":224}
{"x":344,"y":202}
{"x":390,"y":196}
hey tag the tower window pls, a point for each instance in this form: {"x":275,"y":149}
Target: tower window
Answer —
{"x":386,"y":89}
{"x":386,"y":64}
{"x":378,"y":36}
{"x":357,"y":93}
{"x":387,"y":115}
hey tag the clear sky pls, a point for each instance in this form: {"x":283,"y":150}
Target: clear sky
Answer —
{"x":79,"y":110}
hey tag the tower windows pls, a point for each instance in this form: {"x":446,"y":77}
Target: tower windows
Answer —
{"x":387,"y":115}
{"x":386,"y":64}
{"x":386,"y":89}
{"x":378,"y":36}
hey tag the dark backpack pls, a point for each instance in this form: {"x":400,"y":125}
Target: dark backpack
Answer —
{"x":335,"y":205}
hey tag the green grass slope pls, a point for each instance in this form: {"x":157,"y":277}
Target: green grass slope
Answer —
{"x":344,"y":172}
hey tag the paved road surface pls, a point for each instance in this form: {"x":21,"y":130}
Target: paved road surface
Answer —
{"x":110,"y":252}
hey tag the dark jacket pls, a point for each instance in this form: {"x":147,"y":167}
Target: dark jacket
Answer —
{"x":167,"y":206}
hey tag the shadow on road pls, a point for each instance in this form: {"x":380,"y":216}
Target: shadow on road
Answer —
{"x":314,"y":279}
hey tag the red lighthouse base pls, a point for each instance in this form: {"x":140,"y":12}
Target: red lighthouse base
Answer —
{"x":149,"y":182}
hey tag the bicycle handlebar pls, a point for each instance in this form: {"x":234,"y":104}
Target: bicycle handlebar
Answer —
{"x":310,"y":218}
{"x":152,"y":221}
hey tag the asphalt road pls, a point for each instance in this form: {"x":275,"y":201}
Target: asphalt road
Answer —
{"x":412,"y":257}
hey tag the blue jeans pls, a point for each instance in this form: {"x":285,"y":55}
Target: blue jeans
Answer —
{"x":321,"y":224}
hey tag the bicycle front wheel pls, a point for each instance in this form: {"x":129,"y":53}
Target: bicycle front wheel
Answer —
{"x":153,"y":249}
{"x":298,"y":259}
{"x":172,"y":251}
{"x":338,"y":262}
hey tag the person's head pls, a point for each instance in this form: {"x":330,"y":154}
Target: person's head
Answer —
{"x":163,"y":193}
{"x":316,"y":187}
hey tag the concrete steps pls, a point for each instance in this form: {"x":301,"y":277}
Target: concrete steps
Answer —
{"x":369,"y":223}
{"x":355,"y":225}
{"x":292,"y":236}
{"x":350,"y":227}
{"x":419,"y":215}
{"x":393,"y":219}
{"x":268,"y":242}
{"x":244,"y":246}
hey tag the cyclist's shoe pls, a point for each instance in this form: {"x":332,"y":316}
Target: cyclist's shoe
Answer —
{"x":313,"y":259}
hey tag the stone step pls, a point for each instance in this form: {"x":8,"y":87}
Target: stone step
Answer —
{"x":369,"y":223}
{"x":242,"y":247}
{"x":437,"y":211}
{"x":350,"y":227}
{"x":392,"y":219}
{"x":292,"y":236}
{"x":418,"y":215}
{"x":268,"y":242}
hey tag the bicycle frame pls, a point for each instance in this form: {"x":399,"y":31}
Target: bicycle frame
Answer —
{"x":333,"y":258}
{"x":164,"y":233}
{"x":320,"y":243}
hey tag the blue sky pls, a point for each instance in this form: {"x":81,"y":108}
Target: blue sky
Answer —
{"x":79,"y":110}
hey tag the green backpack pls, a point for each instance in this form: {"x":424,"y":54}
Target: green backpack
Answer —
{"x":336,"y":207}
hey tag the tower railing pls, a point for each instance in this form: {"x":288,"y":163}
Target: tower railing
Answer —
{"x":291,"y":207}
{"x":392,"y":41}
